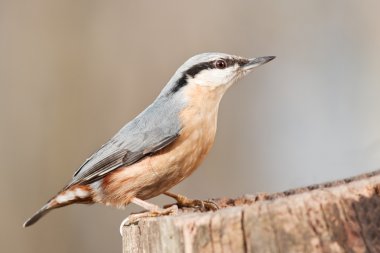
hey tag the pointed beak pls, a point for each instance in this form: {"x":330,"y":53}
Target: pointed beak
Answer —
{"x":255,"y":62}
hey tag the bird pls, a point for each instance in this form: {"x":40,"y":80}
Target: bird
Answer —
{"x":162,"y":145}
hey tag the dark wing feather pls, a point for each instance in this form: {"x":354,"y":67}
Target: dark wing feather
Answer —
{"x":112,"y":156}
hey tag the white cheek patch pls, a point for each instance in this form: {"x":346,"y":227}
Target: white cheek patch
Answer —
{"x":213,"y":77}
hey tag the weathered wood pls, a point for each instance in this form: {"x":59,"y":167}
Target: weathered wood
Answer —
{"x":341,"y":216}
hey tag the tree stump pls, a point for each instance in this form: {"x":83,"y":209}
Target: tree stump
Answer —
{"x":339,"y":216}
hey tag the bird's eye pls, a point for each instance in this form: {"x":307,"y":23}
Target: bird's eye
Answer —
{"x":220,"y":64}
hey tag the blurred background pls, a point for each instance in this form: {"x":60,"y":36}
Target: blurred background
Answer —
{"x":73,"y":72}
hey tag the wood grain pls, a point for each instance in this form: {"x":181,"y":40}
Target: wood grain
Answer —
{"x":339,"y":216}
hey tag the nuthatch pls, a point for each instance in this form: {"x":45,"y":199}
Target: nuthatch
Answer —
{"x":161,"y":146}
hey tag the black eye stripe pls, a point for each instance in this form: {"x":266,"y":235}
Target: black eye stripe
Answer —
{"x":241,"y":62}
{"x":179,"y":84}
{"x":231,"y":61}
{"x":194,"y":70}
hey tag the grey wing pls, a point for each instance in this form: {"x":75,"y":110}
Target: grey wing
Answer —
{"x":120,"y":152}
{"x":155,"y":128}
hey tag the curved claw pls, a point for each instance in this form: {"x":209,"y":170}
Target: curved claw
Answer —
{"x":211,"y":205}
{"x":203,"y":205}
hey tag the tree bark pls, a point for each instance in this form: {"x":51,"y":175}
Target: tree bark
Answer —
{"x":339,"y":216}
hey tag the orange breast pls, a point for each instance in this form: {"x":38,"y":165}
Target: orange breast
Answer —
{"x":199,"y":123}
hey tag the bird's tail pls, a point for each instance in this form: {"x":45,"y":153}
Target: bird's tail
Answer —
{"x":74,"y":194}
{"x":38,"y":215}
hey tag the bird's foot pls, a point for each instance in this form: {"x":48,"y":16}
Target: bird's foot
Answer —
{"x":133,"y":218}
{"x":203,"y":205}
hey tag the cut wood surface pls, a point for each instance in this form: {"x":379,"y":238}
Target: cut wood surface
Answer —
{"x":340,"y":216}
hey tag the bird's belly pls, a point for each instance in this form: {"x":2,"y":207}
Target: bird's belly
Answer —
{"x":175,"y":163}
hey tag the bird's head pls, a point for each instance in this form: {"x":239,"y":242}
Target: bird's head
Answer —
{"x":213,"y":70}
